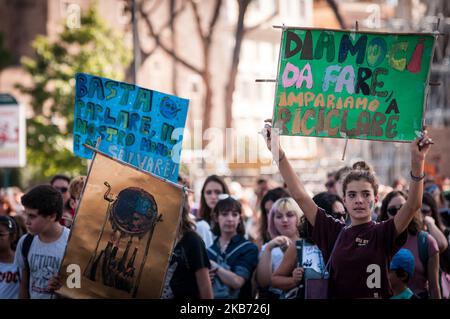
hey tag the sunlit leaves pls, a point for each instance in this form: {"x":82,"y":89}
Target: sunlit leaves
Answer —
{"x":93,"y":48}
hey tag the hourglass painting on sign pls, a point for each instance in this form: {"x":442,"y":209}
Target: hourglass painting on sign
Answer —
{"x":123,"y":233}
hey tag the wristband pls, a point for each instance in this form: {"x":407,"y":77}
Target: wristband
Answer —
{"x":416,"y":178}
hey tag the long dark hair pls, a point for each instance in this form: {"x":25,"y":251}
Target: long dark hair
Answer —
{"x":429,"y":200}
{"x":414,"y":225}
{"x":326,"y":201}
{"x":186,"y":223}
{"x":204,"y":211}
{"x":226,"y":205}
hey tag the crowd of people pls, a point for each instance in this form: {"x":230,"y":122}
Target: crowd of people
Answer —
{"x":34,"y":230}
{"x":355,"y":239}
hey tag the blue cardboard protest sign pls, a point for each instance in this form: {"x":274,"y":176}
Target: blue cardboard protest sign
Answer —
{"x":138,"y":126}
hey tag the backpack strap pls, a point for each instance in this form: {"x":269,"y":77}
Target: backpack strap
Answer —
{"x":298,"y":292}
{"x":301,"y":287}
{"x":422,"y":247}
{"x":299,"y":246}
{"x":26,"y":245}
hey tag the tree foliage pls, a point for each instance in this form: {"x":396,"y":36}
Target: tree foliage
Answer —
{"x":92,"y":48}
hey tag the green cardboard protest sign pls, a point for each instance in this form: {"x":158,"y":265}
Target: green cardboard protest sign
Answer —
{"x":361,"y":85}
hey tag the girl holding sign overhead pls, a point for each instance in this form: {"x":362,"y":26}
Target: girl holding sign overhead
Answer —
{"x":359,"y":253}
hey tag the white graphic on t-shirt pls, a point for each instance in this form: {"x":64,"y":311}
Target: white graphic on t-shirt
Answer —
{"x":312,"y":258}
{"x":43,"y":269}
{"x":167,"y":292}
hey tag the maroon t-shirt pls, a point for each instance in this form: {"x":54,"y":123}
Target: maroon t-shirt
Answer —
{"x":358,"y":247}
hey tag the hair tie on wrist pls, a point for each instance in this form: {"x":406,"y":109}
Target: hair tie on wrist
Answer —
{"x":416,"y":178}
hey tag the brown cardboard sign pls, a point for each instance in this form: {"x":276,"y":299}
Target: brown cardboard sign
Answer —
{"x":123,"y":233}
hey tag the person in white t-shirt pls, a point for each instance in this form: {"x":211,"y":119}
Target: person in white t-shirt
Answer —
{"x":9,"y":271}
{"x":284,"y":225}
{"x":43,"y":209}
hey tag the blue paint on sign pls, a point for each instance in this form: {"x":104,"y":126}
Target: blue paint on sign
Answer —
{"x":138,"y":126}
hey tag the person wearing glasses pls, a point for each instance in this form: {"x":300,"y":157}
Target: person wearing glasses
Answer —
{"x":361,"y":251}
{"x":332,"y":204}
{"x":61,"y":183}
{"x":209,"y":196}
{"x":330,"y":185}
{"x":425,"y":281}
{"x":233,"y":258}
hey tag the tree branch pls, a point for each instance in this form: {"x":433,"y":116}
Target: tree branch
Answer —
{"x":145,"y":55}
{"x":214,"y":19}
{"x":167,"y":24}
{"x":155,"y":6}
{"x":198,"y":21}
{"x":163,"y":46}
{"x":267,"y":19}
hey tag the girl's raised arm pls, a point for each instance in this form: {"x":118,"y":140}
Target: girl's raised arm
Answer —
{"x":294,"y":185}
{"x":419,"y":149}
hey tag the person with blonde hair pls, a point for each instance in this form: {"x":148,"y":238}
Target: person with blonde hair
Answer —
{"x":284,"y":225}
{"x":75,"y":189}
{"x":302,"y":261}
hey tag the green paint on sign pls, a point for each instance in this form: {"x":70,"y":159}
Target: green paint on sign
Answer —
{"x":360,"y":85}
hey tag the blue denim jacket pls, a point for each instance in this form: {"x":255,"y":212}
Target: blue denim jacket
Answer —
{"x":240,"y":257}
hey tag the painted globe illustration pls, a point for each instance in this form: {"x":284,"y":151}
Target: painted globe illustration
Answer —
{"x":134,"y":211}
